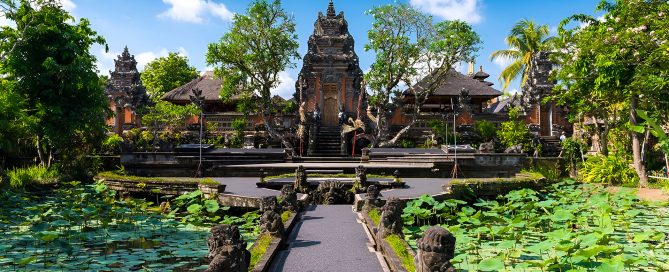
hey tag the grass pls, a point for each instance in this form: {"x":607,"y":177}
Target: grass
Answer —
{"x":398,"y":245}
{"x":259,"y":248}
{"x":31,"y":176}
{"x":285,"y":215}
{"x":116,"y":176}
{"x":375,"y":215}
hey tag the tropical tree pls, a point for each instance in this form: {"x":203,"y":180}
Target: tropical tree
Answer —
{"x":413,"y":57}
{"x":49,"y":65}
{"x":166,"y":73}
{"x":618,"y":66}
{"x":525,"y":39}
{"x":261,"y":44}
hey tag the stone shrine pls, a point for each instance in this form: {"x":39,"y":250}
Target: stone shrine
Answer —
{"x":125,"y":92}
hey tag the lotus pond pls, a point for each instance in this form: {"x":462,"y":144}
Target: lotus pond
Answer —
{"x":569,"y":227}
{"x":87,"y":227}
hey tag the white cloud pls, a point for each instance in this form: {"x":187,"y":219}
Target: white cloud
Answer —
{"x":105,"y":61}
{"x":145,"y":57}
{"x":68,"y":5}
{"x":502,"y":62}
{"x":466,"y":10}
{"x":286,"y":88}
{"x":194,"y":11}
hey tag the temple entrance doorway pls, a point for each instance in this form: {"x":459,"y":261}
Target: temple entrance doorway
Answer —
{"x":330,"y":107}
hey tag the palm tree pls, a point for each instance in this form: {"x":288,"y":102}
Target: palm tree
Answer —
{"x":525,"y":39}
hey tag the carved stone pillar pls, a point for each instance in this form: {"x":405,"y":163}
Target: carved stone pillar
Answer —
{"x":270,"y":221}
{"x":289,"y":198}
{"x":391,"y":218}
{"x":372,"y":199}
{"x":435,"y":250}
{"x":361,"y":176}
{"x":227,"y":250}
{"x":301,"y":184}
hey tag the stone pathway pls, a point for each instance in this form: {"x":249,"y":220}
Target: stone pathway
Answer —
{"x":327,"y":238}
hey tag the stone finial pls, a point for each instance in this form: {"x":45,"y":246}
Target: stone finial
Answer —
{"x":227,"y":250}
{"x":435,"y":250}
{"x":331,"y":10}
{"x":361,"y":176}
{"x":301,"y":184}
{"x":270,"y":221}
{"x":289,"y":198}
{"x":391,"y":218}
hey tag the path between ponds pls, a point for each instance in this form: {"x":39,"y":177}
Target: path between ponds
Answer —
{"x":327,"y":238}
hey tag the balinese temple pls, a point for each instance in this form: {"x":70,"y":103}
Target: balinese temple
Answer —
{"x":125,"y":93}
{"x":330,"y":77}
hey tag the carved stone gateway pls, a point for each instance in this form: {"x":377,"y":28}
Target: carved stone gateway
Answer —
{"x":227,"y":250}
{"x":435,"y":250}
{"x":391,"y":218}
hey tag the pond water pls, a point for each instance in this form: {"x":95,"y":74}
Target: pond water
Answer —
{"x":80,"y":228}
{"x":576,"y":227}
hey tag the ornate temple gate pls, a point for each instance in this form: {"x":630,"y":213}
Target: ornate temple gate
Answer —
{"x":330,"y":105}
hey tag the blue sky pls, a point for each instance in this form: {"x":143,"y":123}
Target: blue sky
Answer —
{"x":152,"y":28}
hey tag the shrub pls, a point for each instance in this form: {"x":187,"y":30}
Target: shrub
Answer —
{"x":32,"y":176}
{"x":486,"y":130}
{"x":514,"y":131}
{"x":111,"y":144}
{"x":612,"y":169}
{"x":406,"y":143}
{"x":440,"y":130}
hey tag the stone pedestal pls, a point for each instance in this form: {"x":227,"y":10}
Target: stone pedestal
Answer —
{"x":435,"y":250}
{"x":365,"y":155}
{"x":227,"y":250}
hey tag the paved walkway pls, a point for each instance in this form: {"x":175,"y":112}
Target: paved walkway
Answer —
{"x":327,"y":238}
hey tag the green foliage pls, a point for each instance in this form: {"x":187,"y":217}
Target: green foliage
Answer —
{"x":32,"y":176}
{"x":112,"y":144}
{"x":261,"y":43}
{"x":525,"y":39}
{"x":49,"y":64}
{"x":514,"y":131}
{"x":398,"y":245}
{"x":486,"y":129}
{"x":165,"y":116}
{"x":653,"y":126}
{"x":167,"y":73}
{"x":14,"y":121}
{"x":440,"y":130}
{"x":611,"y":68}
{"x":568,"y":226}
{"x":259,"y":248}
{"x":407,"y":143}
{"x":611,"y":169}
{"x":410,"y":48}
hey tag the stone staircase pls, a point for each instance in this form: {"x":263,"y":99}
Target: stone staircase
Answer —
{"x":552,"y":146}
{"x":328,"y":142}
